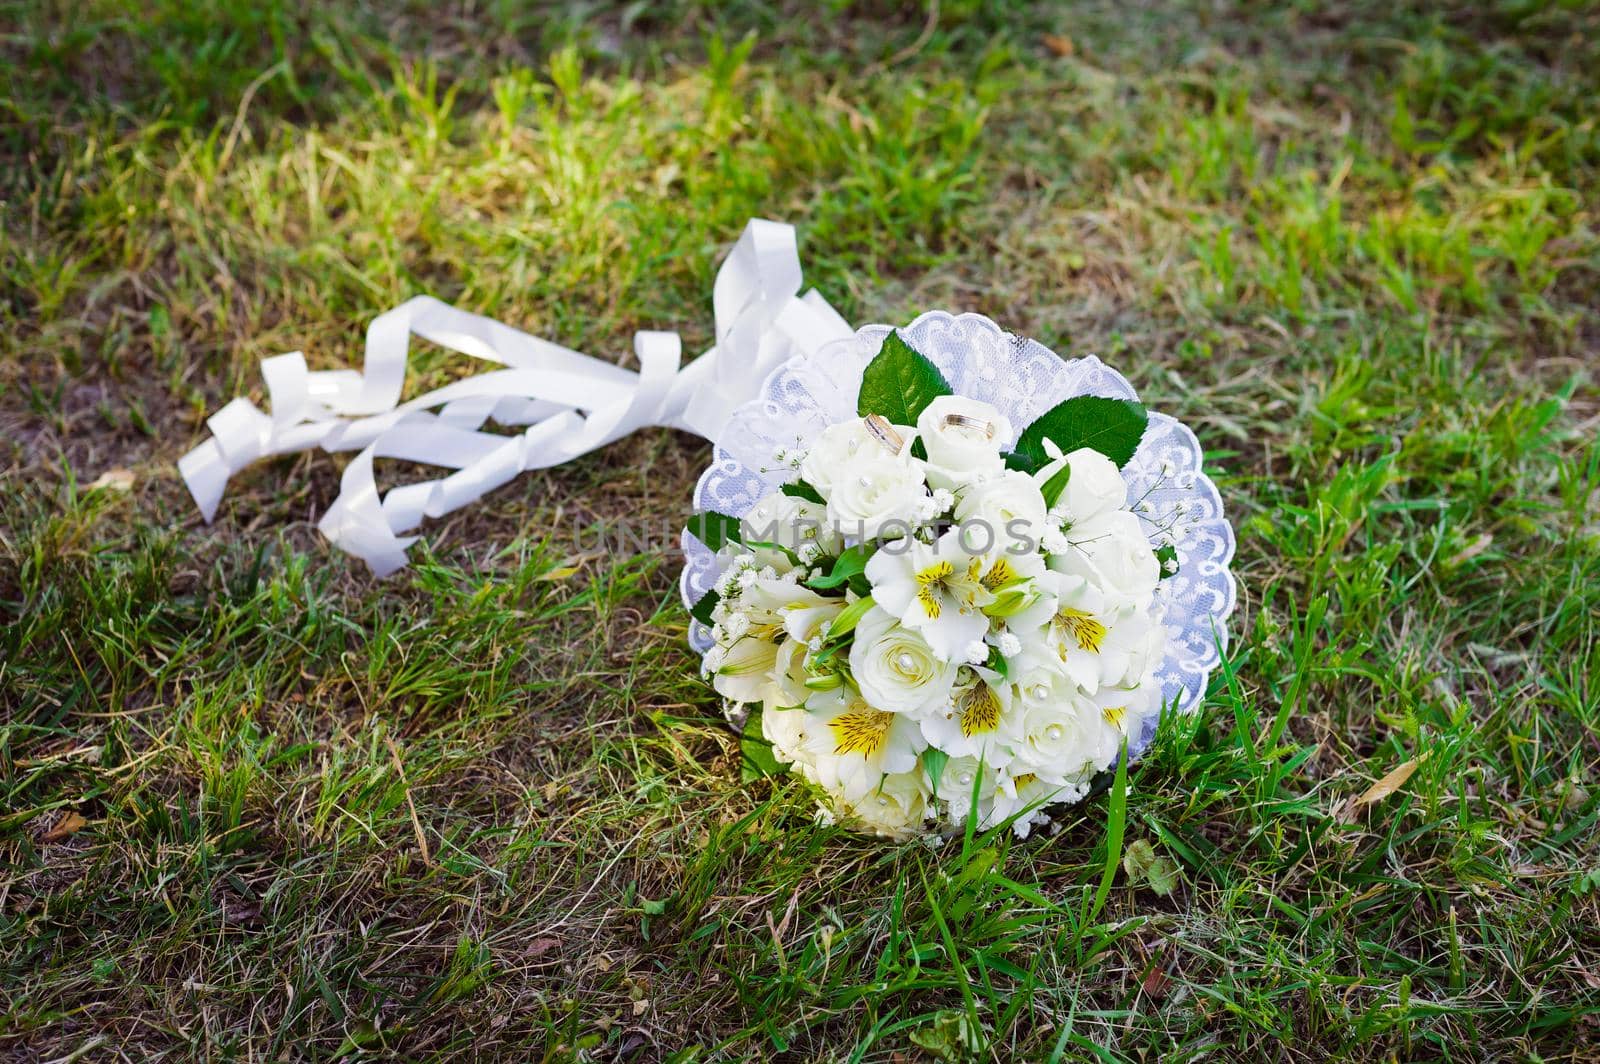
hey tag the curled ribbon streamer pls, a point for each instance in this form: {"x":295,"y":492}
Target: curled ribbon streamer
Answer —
{"x":572,"y":403}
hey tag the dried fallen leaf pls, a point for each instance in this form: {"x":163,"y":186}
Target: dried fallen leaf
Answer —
{"x":114,"y":480}
{"x":1059,"y":45}
{"x":1389,"y":784}
{"x":540,"y":946}
{"x":240,"y":912}
{"x":1156,"y":983}
{"x":70,"y":824}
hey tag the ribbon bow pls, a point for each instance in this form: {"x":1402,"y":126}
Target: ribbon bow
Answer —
{"x":572,"y":403}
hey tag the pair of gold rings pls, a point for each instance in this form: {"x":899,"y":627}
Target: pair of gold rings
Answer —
{"x":885,"y":433}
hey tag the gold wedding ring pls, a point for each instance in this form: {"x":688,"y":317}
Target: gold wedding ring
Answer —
{"x":966,"y":421}
{"x":884,"y":433}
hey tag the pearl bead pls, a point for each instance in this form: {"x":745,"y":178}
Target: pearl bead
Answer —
{"x":865,"y":482}
{"x":905,"y":662}
{"x":882,"y":800}
{"x":855,"y":445}
{"x":1053,"y":732}
{"x":966,"y":779}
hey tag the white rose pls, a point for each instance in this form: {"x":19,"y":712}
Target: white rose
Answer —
{"x":839,"y":448}
{"x":896,"y":669}
{"x":876,"y":496}
{"x":1095,"y":486}
{"x":962,"y":451}
{"x":1041,"y":687}
{"x":1113,"y":553}
{"x":1007,"y":509}
{"x":1061,"y":738}
{"x":960,"y":776}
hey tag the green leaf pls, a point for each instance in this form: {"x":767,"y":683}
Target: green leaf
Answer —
{"x":1168,"y":557}
{"x":952,"y":1037}
{"x":848,"y":617}
{"x":756,"y":753}
{"x":701,"y":611}
{"x":899,"y":382}
{"x":933,"y":763}
{"x":1111,"y":426}
{"x":1056,"y":484}
{"x":1022,"y":463}
{"x":799,"y":489}
{"x":851,"y":563}
{"x":1116,"y":822}
{"x":1144,"y":865}
{"x":767,"y":544}
{"x":714,"y":529}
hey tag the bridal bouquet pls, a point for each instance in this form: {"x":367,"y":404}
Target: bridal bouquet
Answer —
{"x":935,"y":616}
{"x":942,"y":571}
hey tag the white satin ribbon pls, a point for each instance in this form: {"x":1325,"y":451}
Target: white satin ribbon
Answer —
{"x":572,"y":403}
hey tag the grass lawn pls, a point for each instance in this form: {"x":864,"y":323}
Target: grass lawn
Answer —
{"x":257,"y":806}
